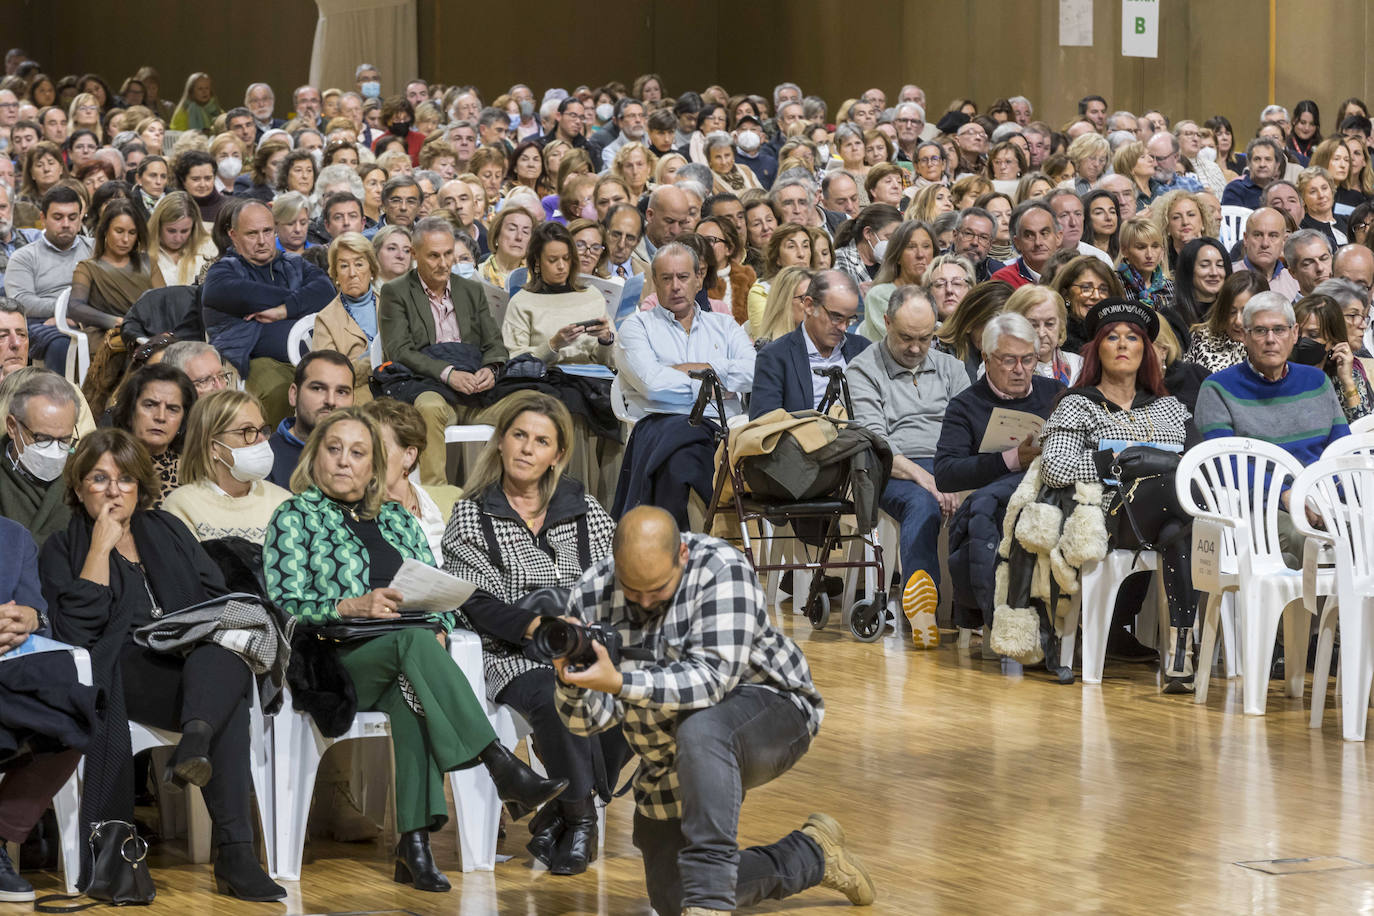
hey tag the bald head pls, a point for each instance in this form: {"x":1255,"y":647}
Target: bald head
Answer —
{"x":1356,"y":264}
{"x":649,"y":554}
{"x":668,"y":215}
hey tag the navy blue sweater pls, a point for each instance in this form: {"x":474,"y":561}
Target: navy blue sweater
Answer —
{"x":235,"y":289}
{"x":958,"y":463}
{"x":19,"y":574}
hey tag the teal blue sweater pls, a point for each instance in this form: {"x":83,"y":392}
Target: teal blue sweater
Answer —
{"x":1299,"y":412}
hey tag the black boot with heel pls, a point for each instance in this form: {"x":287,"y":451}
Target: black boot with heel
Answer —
{"x":545,"y":829}
{"x":577,"y":847}
{"x":521,"y":788}
{"x":190,"y":761}
{"x":415,"y":864}
{"x":239,"y":874}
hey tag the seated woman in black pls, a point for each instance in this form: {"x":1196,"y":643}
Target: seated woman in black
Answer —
{"x":121,"y":564}
{"x":523,"y":526}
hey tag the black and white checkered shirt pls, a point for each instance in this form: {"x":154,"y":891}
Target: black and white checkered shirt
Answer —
{"x":714,"y":636}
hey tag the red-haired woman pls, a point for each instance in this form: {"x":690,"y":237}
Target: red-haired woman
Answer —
{"x":1119,"y":397}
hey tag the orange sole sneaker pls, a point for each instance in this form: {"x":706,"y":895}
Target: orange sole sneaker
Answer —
{"x":920,"y":598}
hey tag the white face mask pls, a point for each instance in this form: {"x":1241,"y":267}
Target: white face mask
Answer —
{"x":229,"y":167}
{"x":748,"y":141}
{"x":465,"y":269}
{"x":318,"y":156}
{"x":824,"y":150}
{"x":45,"y":461}
{"x":604,"y":111}
{"x":254,"y":462}
{"x":371,"y":89}
{"x":879,"y":249}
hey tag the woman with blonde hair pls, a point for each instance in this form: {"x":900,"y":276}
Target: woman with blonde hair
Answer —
{"x":1044,"y":309}
{"x":523,"y":524}
{"x":198,"y":107}
{"x":929,"y":202}
{"x":1134,"y":163}
{"x":222,"y":487}
{"x":1331,"y":154}
{"x":1089,"y":154}
{"x":788,"y":246}
{"x":1318,"y":193}
{"x":783,"y":309}
{"x":633,"y":164}
{"x":341,"y":511}
{"x":1144,"y":267}
{"x":1181,"y":217}
{"x":666,"y":169}
{"x":84,"y":114}
{"x":178,"y":245}
{"x":961,"y":335}
{"x":1030,"y":186}
{"x":969,"y":189}
{"x":348,"y":325}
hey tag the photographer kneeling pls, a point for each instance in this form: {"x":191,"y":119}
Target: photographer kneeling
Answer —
{"x":725,"y":705}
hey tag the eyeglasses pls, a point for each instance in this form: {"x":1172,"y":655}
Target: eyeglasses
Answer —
{"x":403,"y":201}
{"x":972,"y":236}
{"x":42,"y":441}
{"x":930,"y":160}
{"x":839,"y":321}
{"x":909,"y":121}
{"x":955,"y":283}
{"x":1359,"y":318}
{"x":1092,"y":289}
{"x":216,"y":380}
{"x":1262,"y":333}
{"x":249,"y":435}
{"x":592,"y":247}
{"x":101,"y":481}
{"x":1011,"y":362}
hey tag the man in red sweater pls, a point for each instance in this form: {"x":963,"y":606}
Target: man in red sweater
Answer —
{"x":1036,"y":234}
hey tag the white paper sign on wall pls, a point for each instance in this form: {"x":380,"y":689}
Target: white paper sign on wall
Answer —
{"x":1139,"y":28}
{"x":1076,"y":23}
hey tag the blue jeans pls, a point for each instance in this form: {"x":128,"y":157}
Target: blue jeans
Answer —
{"x":747,"y":739}
{"x":49,"y":344}
{"x":918,"y":518}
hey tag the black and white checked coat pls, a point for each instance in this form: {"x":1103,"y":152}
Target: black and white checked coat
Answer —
{"x":526,"y":561}
{"x":714,"y":636}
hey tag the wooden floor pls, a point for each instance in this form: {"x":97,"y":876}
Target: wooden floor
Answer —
{"x":971,"y":789}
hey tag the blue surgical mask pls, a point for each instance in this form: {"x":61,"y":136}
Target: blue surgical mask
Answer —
{"x":465,"y":269}
{"x":371,"y":89}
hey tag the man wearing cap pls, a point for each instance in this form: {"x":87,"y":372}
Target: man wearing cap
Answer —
{"x":750,"y":151}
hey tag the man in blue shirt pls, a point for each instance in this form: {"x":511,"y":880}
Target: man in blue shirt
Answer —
{"x":1264,"y":163}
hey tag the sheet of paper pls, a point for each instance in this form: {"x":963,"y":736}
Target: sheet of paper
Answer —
{"x":425,"y":589}
{"x":1009,"y":428}
{"x":1075,"y":23}
{"x":34,"y":644}
{"x":587,"y":370}
{"x":610,"y":289}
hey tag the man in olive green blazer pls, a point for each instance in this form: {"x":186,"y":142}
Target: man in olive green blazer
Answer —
{"x":406,"y":319}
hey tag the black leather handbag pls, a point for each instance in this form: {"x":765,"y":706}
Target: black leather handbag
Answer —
{"x":355,"y":628}
{"x":119,"y":873}
{"x":1144,"y":501}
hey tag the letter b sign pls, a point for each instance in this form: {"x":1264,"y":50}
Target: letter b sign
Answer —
{"x":1140,"y":25}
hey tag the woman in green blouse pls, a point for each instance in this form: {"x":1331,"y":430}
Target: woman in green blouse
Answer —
{"x":331,"y":553}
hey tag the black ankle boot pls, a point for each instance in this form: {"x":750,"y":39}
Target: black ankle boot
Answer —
{"x":238,"y":874}
{"x":545,"y":829}
{"x":1050,"y":645}
{"x":521,"y":788}
{"x":415,"y":863}
{"x":191,"y":760}
{"x":577,"y":847}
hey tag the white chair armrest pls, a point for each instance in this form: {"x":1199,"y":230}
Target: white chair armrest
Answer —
{"x":476,"y":432}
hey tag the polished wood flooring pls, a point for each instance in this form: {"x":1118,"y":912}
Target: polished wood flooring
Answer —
{"x":970,"y":787}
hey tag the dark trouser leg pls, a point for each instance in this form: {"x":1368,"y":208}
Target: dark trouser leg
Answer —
{"x":27,"y":789}
{"x":49,"y":344}
{"x":563,"y":753}
{"x":211,"y":684}
{"x":1178,"y":583}
{"x":748,"y":739}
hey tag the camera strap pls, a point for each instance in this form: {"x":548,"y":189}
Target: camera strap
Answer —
{"x":584,"y":541}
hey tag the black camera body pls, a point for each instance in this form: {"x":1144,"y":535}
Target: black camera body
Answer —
{"x":557,"y":638}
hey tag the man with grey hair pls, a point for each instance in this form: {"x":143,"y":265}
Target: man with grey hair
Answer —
{"x":40,"y":431}
{"x":1038,"y":136}
{"x":901,"y":388}
{"x":1021,"y":109}
{"x":1123,"y":189}
{"x":666,"y":459}
{"x":1308,"y":256}
{"x":784,"y":373}
{"x":1122,"y":120}
{"x":909,"y":119}
{"x":974,"y":231}
{"x":1267,"y":397}
{"x":1169,"y":174}
{"x":1264,"y":163}
{"x":12,"y":237}
{"x":962,"y":464}
{"x":1068,"y":209}
{"x":259,"y":99}
{"x":439,"y":326}
{"x":785,"y":92}
{"x":795,"y":198}
{"x":201,"y":363}
{"x":630,"y":122}
{"x":1262,"y":244}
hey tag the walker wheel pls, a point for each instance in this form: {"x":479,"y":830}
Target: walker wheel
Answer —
{"x":868,"y":620}
{"x":818,"y":610}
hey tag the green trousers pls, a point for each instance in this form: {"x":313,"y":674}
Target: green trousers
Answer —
{"x":449,"y":736}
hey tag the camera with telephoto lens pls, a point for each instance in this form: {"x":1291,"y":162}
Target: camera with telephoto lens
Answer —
{"x":557,"y":638}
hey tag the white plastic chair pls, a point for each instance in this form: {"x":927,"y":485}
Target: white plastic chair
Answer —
{"x":621,"y":407}
{"x":1239,"y":482}
{"x":1094,"y":603}
{"x":297,"y":749}
{"x":79,"y":347}
{"x":67,"y":802}
{"x":1233,"y":224}
{"x":1342,"y":490}
{"x":299,"y":340}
